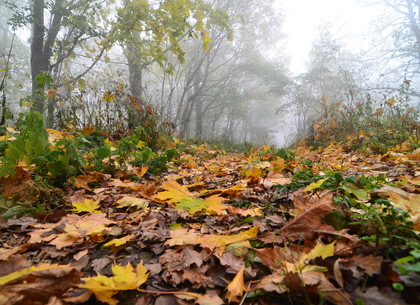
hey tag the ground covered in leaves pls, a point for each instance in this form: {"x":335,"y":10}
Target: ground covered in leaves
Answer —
{"x":322,"y":226}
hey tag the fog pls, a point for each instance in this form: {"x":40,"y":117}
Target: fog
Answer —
{"x":263,"y":72}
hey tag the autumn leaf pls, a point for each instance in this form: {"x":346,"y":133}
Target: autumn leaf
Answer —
{"x":183,"y":237}
{"x":140,"y":171}
{"x":319,"y":250}
{"x":278,"y":165}
{"x":215,"y":206}
{"x":174,"y":192}
{"x":315,"y":185}
{"x":125,"y":278}
{"x":17,"y":274}
{"x":219,"y":242}
{"x":236,"y":288}
{"x":88,"y":205}
{"x":82,"y":181}
{"x":127,"y":201}
{"x":192,"y":205}
{"x":253,"y":171}
{"x":76,"y":228}
{"x":115,"y":243}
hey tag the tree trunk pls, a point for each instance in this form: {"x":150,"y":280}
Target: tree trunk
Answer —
{"x":38,"y":62}
{"x":198,"y":102}
{"x":134,"y":70}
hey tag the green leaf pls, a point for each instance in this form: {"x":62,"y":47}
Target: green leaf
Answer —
{"x":360,"y":194}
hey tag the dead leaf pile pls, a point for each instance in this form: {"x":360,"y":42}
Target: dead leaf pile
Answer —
{"x":210,"y":231}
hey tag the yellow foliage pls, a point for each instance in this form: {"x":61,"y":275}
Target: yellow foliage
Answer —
{"x":125,"y":278}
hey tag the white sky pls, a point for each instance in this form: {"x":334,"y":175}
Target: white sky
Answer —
{"x":348,"y":20}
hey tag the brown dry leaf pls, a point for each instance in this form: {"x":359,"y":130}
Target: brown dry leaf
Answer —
{"x":70,"y":229}
{"x":374,"y":296}
{"x":193,"y":257}
{"x":274,"y":178}
{"x":209,"y":300}
{"x":7,"y":253}
{"x":37,"y":284}
{"x":182,"y":237}
{"x":236,"y":288}
{"x":19,"y":184}
{"x":371,"y":264}
{"x":272,"y":283}
{"x":309,"y":221}
{"x":334,"y":295}
{"x":82,"y":181}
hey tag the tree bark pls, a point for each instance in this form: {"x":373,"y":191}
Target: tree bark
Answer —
{"x":38,"y":61}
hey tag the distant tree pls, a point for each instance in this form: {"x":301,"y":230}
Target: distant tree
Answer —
{"x":212,"y":94}
{"x":396,"y":44}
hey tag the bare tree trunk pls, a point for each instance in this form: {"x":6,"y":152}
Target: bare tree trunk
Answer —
{"x":41,"y":46}
{"x":134,"y":70}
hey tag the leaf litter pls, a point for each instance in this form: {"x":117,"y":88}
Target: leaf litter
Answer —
{"x":223,"y":229}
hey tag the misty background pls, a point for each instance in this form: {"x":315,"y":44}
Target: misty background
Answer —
{"x":264,"y":72}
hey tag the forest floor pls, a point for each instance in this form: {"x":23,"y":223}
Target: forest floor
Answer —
{"x":271,"y":227}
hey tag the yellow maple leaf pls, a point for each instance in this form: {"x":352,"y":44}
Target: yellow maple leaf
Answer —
{"x":215,"y":206}
{"x":278,"y":165}
{"x":236,"y":288}
{"x":219,"y":242}
{"x":128,"y":201}
{"x":88,"y":205}
{"x":253,"y":171}
{"x":119,"y":241}
{"x":174,"y":192}
{"x":303,"y":265}
{"x":125,"y":278}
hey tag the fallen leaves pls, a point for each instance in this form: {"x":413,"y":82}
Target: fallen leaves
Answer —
{"x":215,"y":231}
{"x":124,"y":278}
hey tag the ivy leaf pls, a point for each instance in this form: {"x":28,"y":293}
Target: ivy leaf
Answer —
{"x":125,"y":278}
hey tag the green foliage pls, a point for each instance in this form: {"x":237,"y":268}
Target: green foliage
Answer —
{"x":30,"y":143}
{"x":368,"y":125}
